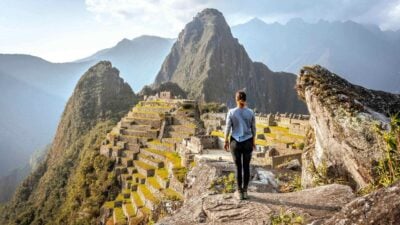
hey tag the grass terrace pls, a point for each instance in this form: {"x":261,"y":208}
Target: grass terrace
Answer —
{"x":109,"y":204}
{"x":162,"y":173}
{"x":153,"y":182}
{"x":261,"y":142}
{"x":130,"y":210}
{"x":119,"y":214}
{"x":147,"y":193}
{"x":143,"y":165}
{"x":218,"y":133}
{"x":174,"y":158}
{"x":180,"y":173}
{"x":138,"y":202}
{"x":172,"y":195}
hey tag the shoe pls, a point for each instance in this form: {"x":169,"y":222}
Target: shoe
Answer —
{"x":245,"y":196}
{"x":239,"y":195}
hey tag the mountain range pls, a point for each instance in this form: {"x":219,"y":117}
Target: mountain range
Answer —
{"x":363,"y":54}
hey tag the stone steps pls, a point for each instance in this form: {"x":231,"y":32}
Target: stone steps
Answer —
{"x":131,"y":170}
{"x":153,"y":185}
{"x":148,"y":198}
{"x":119,"y":217}
{"x":139,"y":178}
{"x":153,"y":153}
{"x":121,"y":170}
{"x":144,"y":168}
{"x":161,"y":146}
{"x":178,"y":134}
{"x":162,"y":177}
{"x":127,"y":162}
{"x":181,"y":128}
{"x":129,"y":210}
{"x":153,"y":133}
{"x":129,"y":154}
{"x":150,"y":160}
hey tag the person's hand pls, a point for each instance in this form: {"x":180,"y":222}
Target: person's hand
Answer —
{"x":254,"y":145}
{"x":226,"y":146}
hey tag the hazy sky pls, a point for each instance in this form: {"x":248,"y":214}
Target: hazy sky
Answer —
{"x":65,"y":30}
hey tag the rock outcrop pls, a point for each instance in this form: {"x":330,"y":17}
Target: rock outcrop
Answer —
{"x":379,"y":208}
{"x":344,"y":144}
{"x":203,"y":207}
{"x":211,"y":65}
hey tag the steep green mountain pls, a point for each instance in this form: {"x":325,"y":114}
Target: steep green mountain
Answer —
{"x":138,"y":59}
{"x":211,"y":65}
{"x":73,"y":181}
{"x":364,"y":55}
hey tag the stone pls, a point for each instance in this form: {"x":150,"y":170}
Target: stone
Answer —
{"x":313,"y":204}
{"x":263,"y":181}
{"x":344,"y":138}
{"x":291,"y":165}
{"x":381,"y":207}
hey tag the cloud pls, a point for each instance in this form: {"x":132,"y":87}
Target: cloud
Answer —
{"x":173,"y":14}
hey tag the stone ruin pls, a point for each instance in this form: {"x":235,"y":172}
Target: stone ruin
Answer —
{"x":150,"y":171}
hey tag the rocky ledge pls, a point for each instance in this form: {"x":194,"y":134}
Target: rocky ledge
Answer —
{"x":345,"y":118}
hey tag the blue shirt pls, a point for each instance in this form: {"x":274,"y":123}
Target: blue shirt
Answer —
{"x":242,"y":122}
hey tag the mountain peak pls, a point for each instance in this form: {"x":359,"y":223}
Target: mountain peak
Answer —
{"x":211,"y":65}
{"x":256,"y":21}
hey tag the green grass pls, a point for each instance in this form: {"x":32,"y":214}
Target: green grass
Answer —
{"x":153,"y":182}
{"x":138,"y":202}
{"x":109,"y":204}
{"x":119,"y":214}
{"x":147,"y":193}
{"x":150,"y":158}
{"x":157,"y":142}
{"x":163,"y":173}
{"x":139,"y":176}
{"x":180,"y":173}
{"x":146,"y":210}
{"x":130,"y":210}
{"x":261,"y":142}
{"x":143,"y":165}
{"x":174,"y":158}
{"x":172,"y":195}
{"x":120,"y":197}
{"x":218,"y":133}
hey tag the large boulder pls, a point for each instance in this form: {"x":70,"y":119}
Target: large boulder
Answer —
{"x":344,"y":144}
{"x":381,"y":207}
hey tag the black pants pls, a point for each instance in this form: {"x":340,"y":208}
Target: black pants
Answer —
{"x":241,"y":153}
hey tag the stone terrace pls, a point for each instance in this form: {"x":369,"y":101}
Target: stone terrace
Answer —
{"x":150,"y":171}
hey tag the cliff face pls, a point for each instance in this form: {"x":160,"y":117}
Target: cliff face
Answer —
{"x":73,"y":178}
{"x":211,"y":65}
{"x":345,"y":144}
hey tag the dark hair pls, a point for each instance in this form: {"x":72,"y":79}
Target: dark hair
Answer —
{"x":241,"y":95}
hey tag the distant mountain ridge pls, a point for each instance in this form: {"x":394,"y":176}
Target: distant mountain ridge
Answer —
{"x":211,"y":65}
{"x":363,"y":54}
{"x":138,"y":59}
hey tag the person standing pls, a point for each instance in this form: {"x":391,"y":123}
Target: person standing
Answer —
{"x":241,"y":120}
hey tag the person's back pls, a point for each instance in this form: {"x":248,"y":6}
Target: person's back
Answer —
{"x":241,"y":120}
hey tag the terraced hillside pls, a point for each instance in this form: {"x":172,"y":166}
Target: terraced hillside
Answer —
{"x":149,"y":170}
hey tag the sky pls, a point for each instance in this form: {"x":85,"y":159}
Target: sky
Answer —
{"x":67,"y":30}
